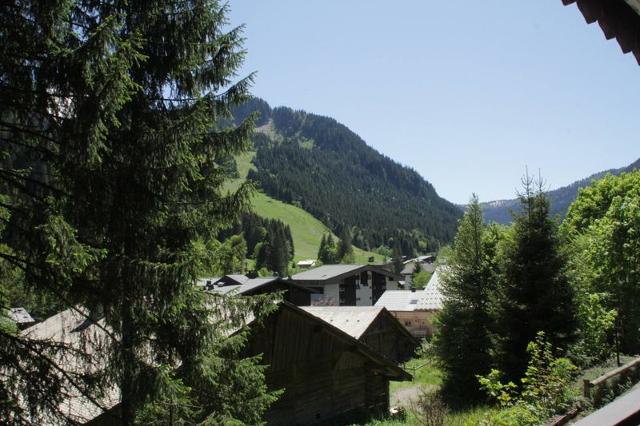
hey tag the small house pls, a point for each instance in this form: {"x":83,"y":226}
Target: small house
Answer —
{"x":371,"y":325}
{"x":327,"y":376}
{"x":21,"y":317}
{"x":306,"y":264}
{"x":408,"y":270}
{"x":415,"y":309}
{"x":346,"y":285}
{"x":292,"y":293}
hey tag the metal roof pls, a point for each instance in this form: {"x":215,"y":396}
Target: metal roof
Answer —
{"x":353,"y":320}
{"x":20,"y":316}
{"x":72,"y":327}
{"x":429,"y":299}
{"x":325,"y":272}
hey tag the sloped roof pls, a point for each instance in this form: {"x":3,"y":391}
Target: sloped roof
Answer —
{"x":240,"y":279}
{"x":353,"y":320}
{"x":619,"y":19}
{"x":20,"y":316}
{"x":326,"y":272}
{"x":429,"y":299}
{"x":72,"y":326}
{"x":253,"y":284}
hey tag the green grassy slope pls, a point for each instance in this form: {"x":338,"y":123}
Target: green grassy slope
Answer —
{"x":306,"y":230}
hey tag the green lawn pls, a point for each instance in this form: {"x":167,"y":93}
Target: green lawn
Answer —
{"x":306,"y":230}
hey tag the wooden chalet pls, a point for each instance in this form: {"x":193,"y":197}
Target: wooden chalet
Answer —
{"x":372,"y":325}
{"x":327,"y":376}
{"x":346,"y":285}
{"x":619,"y":19}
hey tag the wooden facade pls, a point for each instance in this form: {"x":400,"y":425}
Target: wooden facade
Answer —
{"x":387,"y":336}
{"x":372,"y":325}
{"x":327,"y":376}
{"x":418,"y":323}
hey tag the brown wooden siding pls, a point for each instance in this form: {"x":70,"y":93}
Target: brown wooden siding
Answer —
{"x":322,"y":377}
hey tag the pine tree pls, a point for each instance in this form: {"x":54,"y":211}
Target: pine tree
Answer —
{"x":533,"y":294}
{"x":462,"y":342}
{"x":396,"y":259}
{"x":344,"y":251}
{"x":113,"y":165}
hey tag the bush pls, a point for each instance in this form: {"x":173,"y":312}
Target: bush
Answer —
{"x":545,"y":387}
{"x":429,"y":409}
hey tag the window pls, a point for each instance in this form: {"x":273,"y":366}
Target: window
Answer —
{"x":413,"y":302}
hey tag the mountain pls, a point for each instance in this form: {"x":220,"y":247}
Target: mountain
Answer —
{"x":317,"y":164}
{"x":561,"y":198}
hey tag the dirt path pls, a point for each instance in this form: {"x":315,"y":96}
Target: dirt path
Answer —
{"x":403,"y":397}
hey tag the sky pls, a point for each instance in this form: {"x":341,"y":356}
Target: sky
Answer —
{"x":468,"y":93}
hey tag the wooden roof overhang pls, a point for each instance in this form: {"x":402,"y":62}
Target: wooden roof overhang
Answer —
{"x":619,"y":19}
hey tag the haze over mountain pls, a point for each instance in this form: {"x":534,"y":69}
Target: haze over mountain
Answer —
{"x":320,"y":165}
{"x":500,"y":210}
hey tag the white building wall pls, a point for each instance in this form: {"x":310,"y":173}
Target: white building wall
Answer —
{"x":332,"y":294}
{"x":392,"y":285}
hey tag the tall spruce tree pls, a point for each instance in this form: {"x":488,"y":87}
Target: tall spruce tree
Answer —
{"x":533,"y":294}
{"x":344,"y":250}
{"x":462,"y":341}
{"x":113,"y":168}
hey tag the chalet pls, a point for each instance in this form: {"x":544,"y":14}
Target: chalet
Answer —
{"x":209,"y":283}
{"x":347,"y":285}
{"x":415,"y":309}
{"x":371,"y":325}
{"x":306,"y":264}
{"x":327,"y":375}
{"x":21,"y":317}
{"x":292,"y":293}
{"x":426,"y":264}
{"x":619,"y":19}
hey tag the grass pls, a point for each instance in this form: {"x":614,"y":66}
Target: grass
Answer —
{"x":425,"y":373}
{"x":306,"y":230}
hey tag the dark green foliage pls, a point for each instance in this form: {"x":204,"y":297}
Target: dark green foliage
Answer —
{"x":533,"y":294}
{"x":113,"y":168}
{"x":269,"y":241}
{"x":462,"y":342}
{"x":327,"y":253}
{"x":397,"y":260}
{"x":344,"y":249}
{"x":322,"y":166}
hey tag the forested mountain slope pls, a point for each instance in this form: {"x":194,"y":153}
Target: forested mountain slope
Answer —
{"x":306,"y":230}
{"x":561,"y":198}
{"x":320,"y":165}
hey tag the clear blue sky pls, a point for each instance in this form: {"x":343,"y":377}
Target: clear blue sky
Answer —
{"x":468,"y":93}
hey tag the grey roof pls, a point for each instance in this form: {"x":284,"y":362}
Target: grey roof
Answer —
{"x":353,"y":320}
{"x":203,"y":281}
{"x":72,"y":327}
{"x":325,"y":272}
{"x":225,"y":289}
{"x":79,"y":334}
{"x":249,"y":285}
{"x":410,"y":266}
{"x":429,"y":299}
{"x":239,"y":278}
{"x":20,"y":316}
